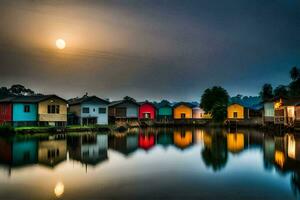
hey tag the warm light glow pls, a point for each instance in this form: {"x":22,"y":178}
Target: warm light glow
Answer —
{"x":60,"y":43}
{"x":291,"y":147}
{"x":59,"y":189}
{"x":278,"y":104}
{"x":235,"y":142}
{"x":279,"y":158}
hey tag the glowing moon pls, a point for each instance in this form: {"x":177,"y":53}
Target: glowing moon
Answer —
{"x":59,"y":189}
{"x":60,"y":43}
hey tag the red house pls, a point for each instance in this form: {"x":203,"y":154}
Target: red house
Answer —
{"x":5,"y":111}
{"x":147,"y":110}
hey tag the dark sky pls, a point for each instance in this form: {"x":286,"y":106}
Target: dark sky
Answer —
{"x":148,"y":49}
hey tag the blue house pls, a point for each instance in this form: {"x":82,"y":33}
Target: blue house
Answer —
{"x":89,"y":110}
{"x":25,"y":110}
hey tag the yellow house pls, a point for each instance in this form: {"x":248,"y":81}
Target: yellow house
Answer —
{"x":236,"y":111}
{"x":52,"y":110}
{"x":183,"y":110}
{"x":183,"y":139}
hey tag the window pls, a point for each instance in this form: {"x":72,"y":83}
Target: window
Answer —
{"x":85,"y":110}
{"x":94,"y":110}
{"x":53,"y":109}
{"x":102,"y":110}
{"x":121,"y":112}
{"x":26,"y":108}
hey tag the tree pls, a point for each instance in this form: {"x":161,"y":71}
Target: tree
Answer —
{"x":215,"y":100}
{"x":281,"y":91}
{"x":16,"y":90}
{"x":4,"y":92}
{"x":266,"y":92}
{"x":295,"y":73}
{"x":20,"y":90}
{"x":295,"y":84}
{"x":128,"y":98}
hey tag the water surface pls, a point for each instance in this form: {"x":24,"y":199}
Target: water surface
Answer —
{"x":152,"y":164}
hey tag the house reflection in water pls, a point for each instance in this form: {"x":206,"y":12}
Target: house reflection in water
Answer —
{"x":279,"y":155}
{"x":269,"y":151}
{"x":52,"y":152}
{"x":125,"y":144}
{"x":183,"y":138}
{"x":165,"y":137}
{"x":18,"y":153}
{"x":146,"y":141}
{"x":90,"y":149}
{"x":235,"y":142}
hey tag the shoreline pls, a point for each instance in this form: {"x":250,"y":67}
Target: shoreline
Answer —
{"x":124,"y":127}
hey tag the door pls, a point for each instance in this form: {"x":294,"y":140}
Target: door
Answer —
{"x":182,"y":115}
{"x":235,"y":115}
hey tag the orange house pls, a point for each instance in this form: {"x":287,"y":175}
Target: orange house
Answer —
{"x":183,"y":110}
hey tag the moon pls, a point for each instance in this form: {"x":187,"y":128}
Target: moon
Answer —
{"x":60,"y":43}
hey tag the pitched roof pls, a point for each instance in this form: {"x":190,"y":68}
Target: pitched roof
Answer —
{"x":29,"y":99}
{"x":291,"y":102}
{"x":86,"y":99}
{"x":147,"y":102}
{"x":188,"y":104}
{"x":115,"y":103}
{"x":164,"y":104}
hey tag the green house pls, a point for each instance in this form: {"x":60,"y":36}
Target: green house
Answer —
{"x":164,"y":111}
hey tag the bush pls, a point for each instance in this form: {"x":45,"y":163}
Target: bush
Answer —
{"x":6,"y":129}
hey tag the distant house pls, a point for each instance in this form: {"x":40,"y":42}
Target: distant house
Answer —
{"x":124,"y":109}
{"x":34,"y":110}
{"x":5,"y":110}
{"x":285,"y":111}
{"x":297,"y":116}
{"x":147,"y":110}
{"x":164,"y":111}
{"x":199,"y":113}
{"x":52,"y":111}
{"x":237,"y":111}
{"x":89,"y":110}
{"x":268,"y":112}
{"x":183,"y":110}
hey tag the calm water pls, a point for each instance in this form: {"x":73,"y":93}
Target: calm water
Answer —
{"x":152,"y":164}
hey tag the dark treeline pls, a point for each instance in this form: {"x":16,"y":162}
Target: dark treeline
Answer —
{"x":16,"y":90}
{"x":283,"y":91}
